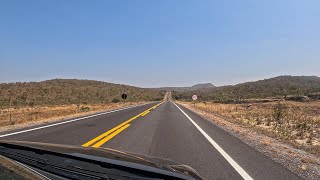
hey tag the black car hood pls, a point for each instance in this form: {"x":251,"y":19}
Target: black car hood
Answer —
{"x":99,"y":154}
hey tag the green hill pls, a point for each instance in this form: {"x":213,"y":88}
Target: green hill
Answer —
{"x":274,"y":87}
{"x":72,"y":91}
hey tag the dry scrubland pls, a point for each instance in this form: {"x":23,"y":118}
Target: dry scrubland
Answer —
{"x":26,"y":116}
{"x":296,"y":122}
{"x":71,"y":91}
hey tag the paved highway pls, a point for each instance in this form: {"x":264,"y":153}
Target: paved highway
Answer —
{"x":165,"y":130}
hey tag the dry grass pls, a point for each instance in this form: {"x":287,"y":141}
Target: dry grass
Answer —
{"x":297,"y":122}
{"x":50,"y":113}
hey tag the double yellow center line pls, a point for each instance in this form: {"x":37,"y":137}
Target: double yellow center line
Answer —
{"x":103,"y":138}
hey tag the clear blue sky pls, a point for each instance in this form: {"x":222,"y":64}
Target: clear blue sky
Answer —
{"x":153,"y":43}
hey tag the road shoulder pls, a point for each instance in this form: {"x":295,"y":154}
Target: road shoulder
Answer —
{"x":65,"y":119}
{"x":300,"y":162}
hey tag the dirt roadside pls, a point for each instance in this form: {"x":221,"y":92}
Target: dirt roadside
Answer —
{"x":24,"y":117}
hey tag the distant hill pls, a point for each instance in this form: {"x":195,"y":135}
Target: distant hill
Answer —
{"x":206,"y":85}
{"x":273,"y":87}
{"x":195,"y":87}
{"x":72,"y":91}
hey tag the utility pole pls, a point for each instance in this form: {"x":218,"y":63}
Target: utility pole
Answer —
{"x":78,"y":103}
{"x":10,"y":103}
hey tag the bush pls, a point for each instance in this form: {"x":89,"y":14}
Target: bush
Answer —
{"x":1,"y":103}
{"x":84,"y":109}
{"x":115,"y":100}
{"x":31,"y":104}
{"x":279,"y":113}
{"x":157,"y":99}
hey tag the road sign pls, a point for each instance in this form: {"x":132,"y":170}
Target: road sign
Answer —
{"x":194,"y":97}
{"x":124,"y":96}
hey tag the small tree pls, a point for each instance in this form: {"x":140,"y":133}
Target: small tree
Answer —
{"x":79,"y":102}
{"x":279,"y":113}
{"x":115,"y":100}
{"x":1,"y":104}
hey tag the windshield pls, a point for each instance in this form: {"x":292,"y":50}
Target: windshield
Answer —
{"x":176,"y":89}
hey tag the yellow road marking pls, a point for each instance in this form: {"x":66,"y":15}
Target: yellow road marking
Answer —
{"x":115,"y":129}
{"x":104,"y":140}
{"x":145,"y":113}
{"x":109,"y":132}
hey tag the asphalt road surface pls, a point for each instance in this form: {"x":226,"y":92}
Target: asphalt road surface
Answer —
{"x":165,"y":130}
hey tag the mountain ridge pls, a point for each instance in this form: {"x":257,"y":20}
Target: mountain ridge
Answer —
{"x":272,"y":87}
{"x":194,"y":87}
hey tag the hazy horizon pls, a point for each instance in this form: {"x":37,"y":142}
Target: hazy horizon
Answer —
{"x":158,"y":44}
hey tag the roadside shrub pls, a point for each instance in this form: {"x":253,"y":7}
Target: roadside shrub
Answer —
{"x":279,"y":113}
{"x":115,"y":100}
{"x":1,"y":104}
{"x":12,"y":121}
{"x":84,"y":109}
{"x":31,"y":104}
{"x":157,"y":99}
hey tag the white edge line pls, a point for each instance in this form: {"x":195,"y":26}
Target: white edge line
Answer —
{"x":32,"y":170}
{"x":234,"y":164}
{"x":69,"y":121}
